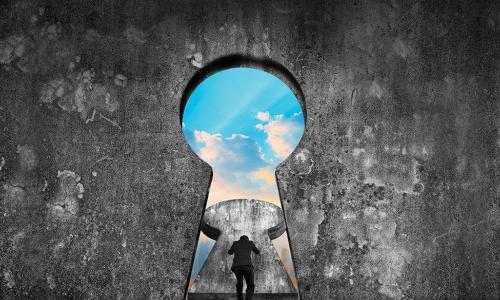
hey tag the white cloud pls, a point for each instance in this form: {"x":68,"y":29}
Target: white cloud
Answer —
{"x":282,"y":134}
{"x":265,"y":174}
{"x":263,"y":116}
{"x":211,"y":151}
{"x":237,"y":135}
{"x":264,"y":158}
{"x":237,"y":153}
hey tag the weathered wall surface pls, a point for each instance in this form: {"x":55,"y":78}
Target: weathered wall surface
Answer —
{"x":393,"y":191}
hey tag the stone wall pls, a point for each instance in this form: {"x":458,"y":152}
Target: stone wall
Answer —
{"x":392,"y":192}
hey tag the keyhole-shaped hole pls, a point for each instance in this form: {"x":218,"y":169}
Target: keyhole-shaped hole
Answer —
{"x":243,"y":122}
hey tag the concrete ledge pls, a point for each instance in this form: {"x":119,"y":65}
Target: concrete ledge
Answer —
{"x":232,"y":296}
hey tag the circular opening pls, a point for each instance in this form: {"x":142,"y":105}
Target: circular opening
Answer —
{"x":243,"y":122}
{"x":235,"y":61}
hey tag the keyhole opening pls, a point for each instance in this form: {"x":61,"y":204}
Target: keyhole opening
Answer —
{"x":243,"y":117}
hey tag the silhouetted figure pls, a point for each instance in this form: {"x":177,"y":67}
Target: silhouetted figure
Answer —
{"x":242,"y":265}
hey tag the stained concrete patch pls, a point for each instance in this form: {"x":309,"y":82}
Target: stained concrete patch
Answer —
{"x":80,"y":93}
{"x":135,"y":35}
{"x":19,"y":192}
{"x":17,"y":239}
{"x":374,"y":229}
{"x":13,"y":48}
{"x":51,"y":281}
{"x":303,"y":162}
{"x":28,"y":159}
{"x":120,"y":80}
{"x":9,"y":278}
{"x":65,"y":205}
{"x":13,"y":195}
{"x":366,"y":250}
{"x":195,"y":58}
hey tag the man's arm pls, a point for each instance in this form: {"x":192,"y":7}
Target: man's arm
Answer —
{"x":254,"y":249}
{"x":231,"y":250}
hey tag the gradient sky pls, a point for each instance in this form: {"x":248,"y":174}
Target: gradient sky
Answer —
{"x":243,"y":122}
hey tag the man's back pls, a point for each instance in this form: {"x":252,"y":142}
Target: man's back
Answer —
{"x":242,"y":249}
{"x":242,"y":265}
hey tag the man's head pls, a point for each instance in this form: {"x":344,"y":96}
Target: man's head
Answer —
{"x":244,"y":237}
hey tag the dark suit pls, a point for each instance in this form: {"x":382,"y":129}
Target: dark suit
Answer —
{"x":242,"y":266}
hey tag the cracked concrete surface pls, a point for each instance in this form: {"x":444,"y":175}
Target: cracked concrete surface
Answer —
{"x":393,"y":191}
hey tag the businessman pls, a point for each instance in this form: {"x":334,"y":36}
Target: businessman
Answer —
{"x":242,"y":265}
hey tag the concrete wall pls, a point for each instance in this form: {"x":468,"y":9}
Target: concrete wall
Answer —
{"x":392,"y":192}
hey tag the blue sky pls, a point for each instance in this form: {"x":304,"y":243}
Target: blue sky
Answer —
{"x":243,"y":122}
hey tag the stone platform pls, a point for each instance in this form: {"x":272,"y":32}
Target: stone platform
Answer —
{"x":225,"y":222}
{"x":229,"y":296}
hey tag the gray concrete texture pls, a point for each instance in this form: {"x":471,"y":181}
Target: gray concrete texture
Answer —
{"x":393,"y":191}
{"x":234,"y":218}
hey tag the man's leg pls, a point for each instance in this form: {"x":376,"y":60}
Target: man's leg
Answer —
{"x":250,"y":284}
{"x":239,"y":283}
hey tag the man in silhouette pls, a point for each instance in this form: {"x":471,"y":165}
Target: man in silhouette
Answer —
{"x":242,"y":265}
